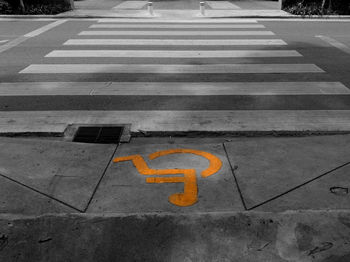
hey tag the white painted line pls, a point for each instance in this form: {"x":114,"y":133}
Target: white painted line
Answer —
{"x":176,"y":26}
{"x":45,"y":28}
{"x":177,"y":33}
{"x":222,"y":5}
{"x":307,"y":20}
{"x":176,"y":42}
{"x":173,"y":54}
{"x":21,"y":39}
{"x":170,"y":69}
{"x":335,"y":43}
{"x":28,"y":20}
{"x":48,"y":88}
{"x":171,"y":88}
{"x":215,"y":120}
{"x":222,"y":88}
{"x":131,"y":5}
{"x":202,"y":21}
{"x":10,"y":44}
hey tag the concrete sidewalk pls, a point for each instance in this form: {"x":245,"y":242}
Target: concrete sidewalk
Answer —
{"x":176,"y":9}
{"x":175,"y":14}
{"x":203,"y":195}
{"x":265,"y":174}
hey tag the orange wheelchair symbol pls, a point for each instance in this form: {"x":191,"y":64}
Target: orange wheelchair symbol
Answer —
{"x":190,"y":194}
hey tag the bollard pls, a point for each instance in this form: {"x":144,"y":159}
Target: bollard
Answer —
{"x":150,"y":8}
{"x":202,"y":7}
{"x":280,"y":5}
{"x":69,"y":3}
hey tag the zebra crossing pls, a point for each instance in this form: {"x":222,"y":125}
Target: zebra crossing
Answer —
{"x":191,"y":57}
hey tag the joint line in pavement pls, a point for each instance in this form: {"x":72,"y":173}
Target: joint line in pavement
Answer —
{"x":41,"y":193}
{"x":235,"y":178}
{"x":101,"y":178}
{"x":298,"y":186}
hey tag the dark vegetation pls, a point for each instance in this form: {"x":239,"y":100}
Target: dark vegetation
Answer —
{"x":317,"y":7}
{"x":33,"y":7}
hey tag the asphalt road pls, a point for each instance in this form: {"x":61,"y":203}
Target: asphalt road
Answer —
{"x":310,"y":39}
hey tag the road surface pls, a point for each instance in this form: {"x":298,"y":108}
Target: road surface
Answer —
{"x":208,"y":75}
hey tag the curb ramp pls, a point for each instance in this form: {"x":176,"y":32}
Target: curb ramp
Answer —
{"x":234,"y":236}
{"x":64,"y":201}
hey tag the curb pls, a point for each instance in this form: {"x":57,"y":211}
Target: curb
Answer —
{"x":224,"y":236}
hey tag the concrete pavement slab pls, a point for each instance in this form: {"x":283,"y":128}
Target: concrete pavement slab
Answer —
{"x":92,"y":13}
{"x":17,"y":199}
{"x":205,"y":237}
{"x":328,"y":192}
{"x":176,"y":5}
{"x":268,"y":167}
{"x":125,"y":189}
{"x":222,"y":5}
{"x":258,"y":5}
{"x":134,"y":5}
{"x":96,"y":4}
{"x":173,"y":14}
{"x":65,"y":171}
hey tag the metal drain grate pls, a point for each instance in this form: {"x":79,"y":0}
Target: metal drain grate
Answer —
{"x":98,"y":134}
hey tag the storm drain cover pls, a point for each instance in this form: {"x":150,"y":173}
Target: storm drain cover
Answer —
{"x":98,"y":134}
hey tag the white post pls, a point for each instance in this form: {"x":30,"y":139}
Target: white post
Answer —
{"x":202,"y":8}
{"x":280,"y":4}
{"x":150,"y":8}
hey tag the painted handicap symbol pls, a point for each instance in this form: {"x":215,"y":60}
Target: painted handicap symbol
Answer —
{"x":190,"y":194}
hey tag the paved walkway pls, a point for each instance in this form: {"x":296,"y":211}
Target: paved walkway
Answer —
{"x":164,"y":199}
{"x":179,"y":9}
{"x":177,"y":5}
{"x":175,"y":175}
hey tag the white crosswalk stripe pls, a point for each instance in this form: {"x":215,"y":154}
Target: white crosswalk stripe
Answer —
{"x":176,"y":42}
{"x":172,"y":88}
{"x":176,"y":33}
{"x":169,"y":21}
{"x":173,"y":54}
{"x":170,"y":69}
{"x":187,"y":39}
{"x":180,"y":121}
{"x":176,"y":26}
